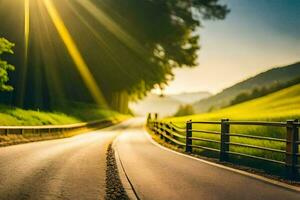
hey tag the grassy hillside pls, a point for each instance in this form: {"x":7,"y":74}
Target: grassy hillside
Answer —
{"x":278,"y":106}
{"x":73,"y":113}
{"x":280,"y":74}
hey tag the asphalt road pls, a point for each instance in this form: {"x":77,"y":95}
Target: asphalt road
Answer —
{"x":74,"y":169}
{"x":71,"y":169}
{"x":160,"y":174}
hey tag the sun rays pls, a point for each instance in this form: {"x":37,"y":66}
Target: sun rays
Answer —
{"x":75,"y":53}
{"x":26,"y":26}
{"x":89,"y":41}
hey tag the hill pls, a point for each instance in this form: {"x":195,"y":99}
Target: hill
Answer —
{"x":273,"y":76}
{"x":278,"y":106}
{"x":166,"y":105}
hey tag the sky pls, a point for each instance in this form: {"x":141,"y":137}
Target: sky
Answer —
{"x":257,"y":35}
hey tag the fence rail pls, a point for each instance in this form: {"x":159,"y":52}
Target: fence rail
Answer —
{"x":52,"y":129}
{"x":183,"y":136}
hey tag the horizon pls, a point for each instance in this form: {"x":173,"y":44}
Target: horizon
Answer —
{"x":158,"y":92}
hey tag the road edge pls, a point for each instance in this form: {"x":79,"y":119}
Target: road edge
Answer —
{"x":241,"y":172}
{"x":127,"y":185}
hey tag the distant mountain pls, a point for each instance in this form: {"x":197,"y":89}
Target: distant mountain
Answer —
{"x":275,"y":75}
{"x":189,"y":98}
{"x":166,"y":105}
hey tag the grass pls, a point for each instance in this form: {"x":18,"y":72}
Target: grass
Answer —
{"x":10,"y":116}
{"x":278,"y":106}
{"x":70,"y":114}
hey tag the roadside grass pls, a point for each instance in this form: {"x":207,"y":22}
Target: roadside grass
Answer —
{"x":70,"y":114}
{"x":278,"y":106}
{"x":11,"y":116}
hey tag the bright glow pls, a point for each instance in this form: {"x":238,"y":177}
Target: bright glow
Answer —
{"x":26,"y":27}
{"x":23,"y":71}
{"x":74,"y":53}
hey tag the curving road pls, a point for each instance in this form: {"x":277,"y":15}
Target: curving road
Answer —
{"x":74,"y":169}
{"x":160,"y":174}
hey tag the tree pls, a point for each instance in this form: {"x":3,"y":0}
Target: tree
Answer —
{"x":166,"y":32}
{"x":129,"y":46}
{"x":184,"y":110}
{"x":5,"y":47}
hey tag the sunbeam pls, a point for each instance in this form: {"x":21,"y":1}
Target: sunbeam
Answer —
{"x":100,"y":40}
{"x":23,"y":71}
{"x":75,"y":54}
{"x":27,"y":26}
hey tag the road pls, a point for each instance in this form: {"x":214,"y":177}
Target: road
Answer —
{"x":157,"y":174}
{"x":74,"y":168}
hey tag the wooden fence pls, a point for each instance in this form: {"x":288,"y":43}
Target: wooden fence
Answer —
{"x":183,"y":136}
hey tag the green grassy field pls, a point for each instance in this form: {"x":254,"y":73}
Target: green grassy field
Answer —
{"x":278,"y":106}
{"x":70,"y":114}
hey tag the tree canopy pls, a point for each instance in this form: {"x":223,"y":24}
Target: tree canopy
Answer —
{"x":129,"y":46}
{"x":166,"y":31}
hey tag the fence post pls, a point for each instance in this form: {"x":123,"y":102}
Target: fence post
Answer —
{"x":161,"y":130}
{"x":166,"y":131}
{"x":148,"y":118}
{"x":189,"y":134}
{"x":155,"y":127}
{"x":292,"y":148}
{"x":155,"y":116}
{"x":225,"y":139}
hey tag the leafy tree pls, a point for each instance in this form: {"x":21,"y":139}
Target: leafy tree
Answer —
{"x":132,"y":49}
{"x":166,"y":30}
{"x":5,"y":47}
{"x":185,"y":110}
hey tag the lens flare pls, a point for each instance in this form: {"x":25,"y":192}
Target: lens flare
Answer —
{"x":75,"y":54}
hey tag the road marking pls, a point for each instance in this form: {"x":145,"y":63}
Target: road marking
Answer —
{"x":254,"y":176}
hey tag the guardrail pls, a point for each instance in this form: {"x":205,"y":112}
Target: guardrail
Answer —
{"x":52,"y":129}
{"x":183,"y":136}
